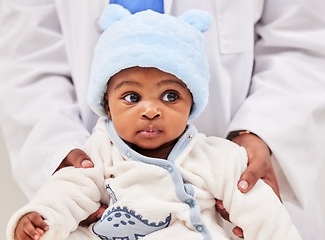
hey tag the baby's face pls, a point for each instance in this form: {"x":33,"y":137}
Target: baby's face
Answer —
{"x":148,"y":107}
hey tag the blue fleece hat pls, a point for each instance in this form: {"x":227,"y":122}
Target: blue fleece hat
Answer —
{"x":149,"y":39}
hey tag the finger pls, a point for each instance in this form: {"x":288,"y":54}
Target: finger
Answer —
{"x":76,"y":157}
{"x":80,"y":159}
{"x":249,"y":178}
{"x":93,"y":217}
{"x":89,"y":220}
{"x":221,"y":209}
{"x":38,"y":222}
{"x":40,"y":231}
{"x":26,"y":230}
{"x":37,"y":236}
{"x":22,"y":236}
{"x":87,"y":164}
{"x":238,"y":232}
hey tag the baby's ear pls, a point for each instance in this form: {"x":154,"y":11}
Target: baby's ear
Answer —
{"x":111,"y":14}
{"x":201,"y":20}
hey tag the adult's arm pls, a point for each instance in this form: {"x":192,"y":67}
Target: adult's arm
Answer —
{"x":40,"y":117}
{"x":285,"y":106}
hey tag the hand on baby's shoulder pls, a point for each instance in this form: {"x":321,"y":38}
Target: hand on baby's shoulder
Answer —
{"x":30,"y":226}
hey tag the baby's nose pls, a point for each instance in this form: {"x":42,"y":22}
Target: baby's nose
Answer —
{"x":151,"y":111}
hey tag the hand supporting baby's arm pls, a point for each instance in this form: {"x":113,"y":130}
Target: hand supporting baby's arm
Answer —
{"x":30,"y":226}
{"x":260,"y":212}
{"x":79,"y":159}
{"x":259,"y":167}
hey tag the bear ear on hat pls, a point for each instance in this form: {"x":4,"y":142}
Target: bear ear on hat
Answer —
{"x":201,"y":20}
{"x":111,"y":14}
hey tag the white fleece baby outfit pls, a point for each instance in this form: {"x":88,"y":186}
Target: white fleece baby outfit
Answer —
{"x":156,"y":198}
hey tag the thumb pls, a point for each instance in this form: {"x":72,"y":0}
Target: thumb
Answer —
{"x":78,"y":159}
{"x":248,"y":179}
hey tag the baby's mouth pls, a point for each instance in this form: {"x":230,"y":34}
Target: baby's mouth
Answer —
{"x":149,"y":132}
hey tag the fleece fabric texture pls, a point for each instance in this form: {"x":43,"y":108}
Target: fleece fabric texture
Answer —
{"x":145,"y":196}
{"x":149,"y":39}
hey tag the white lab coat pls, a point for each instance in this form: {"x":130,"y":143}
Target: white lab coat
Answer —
{"x":46,"y":48}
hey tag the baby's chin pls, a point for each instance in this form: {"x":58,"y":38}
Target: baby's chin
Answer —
{"x":151,"y":149}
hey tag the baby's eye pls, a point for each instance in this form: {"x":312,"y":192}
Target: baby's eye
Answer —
{"x":132,"y":98}
{"x":170,"y":97}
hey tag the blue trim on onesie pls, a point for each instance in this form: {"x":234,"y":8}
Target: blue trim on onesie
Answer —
{"x":184,"y":191}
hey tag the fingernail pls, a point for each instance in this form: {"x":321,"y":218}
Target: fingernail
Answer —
{"x":243,"y":185}
{"x":86,"y":163}
{"x":40,"y":231}
{"x":238,"y":232}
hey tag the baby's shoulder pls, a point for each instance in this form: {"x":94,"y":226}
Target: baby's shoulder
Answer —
{"x":218,"y":143}
{"x":219,"y":148}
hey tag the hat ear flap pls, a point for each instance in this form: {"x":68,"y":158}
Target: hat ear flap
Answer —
{"x":111,"y":14}
{"x":201,"y":20}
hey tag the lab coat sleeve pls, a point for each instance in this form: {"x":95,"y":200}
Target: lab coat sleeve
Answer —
{"x":39,"y":112}
{"x":259,"y":212}
{"x":285,"y":105}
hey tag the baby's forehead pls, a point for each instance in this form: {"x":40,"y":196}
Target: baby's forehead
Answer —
{"x":146,"y":74}
{"x":141,"y":78}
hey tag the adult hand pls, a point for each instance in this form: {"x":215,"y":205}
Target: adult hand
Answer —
{"x":93,"y":217}
{"x":76,"y":158}
{"x":225,"y":215}
{"x":80,"y":159}
{"x":259,"y":166}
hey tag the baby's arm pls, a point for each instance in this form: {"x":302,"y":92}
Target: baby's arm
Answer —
{"x":69,"y":197}
{"x":259,"y":212}
{"x":30,"y":226}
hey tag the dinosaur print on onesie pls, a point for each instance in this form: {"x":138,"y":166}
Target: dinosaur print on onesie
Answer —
{"x":121,"y":223}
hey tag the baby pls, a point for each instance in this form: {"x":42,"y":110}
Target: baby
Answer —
{"x":157,"y":174}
